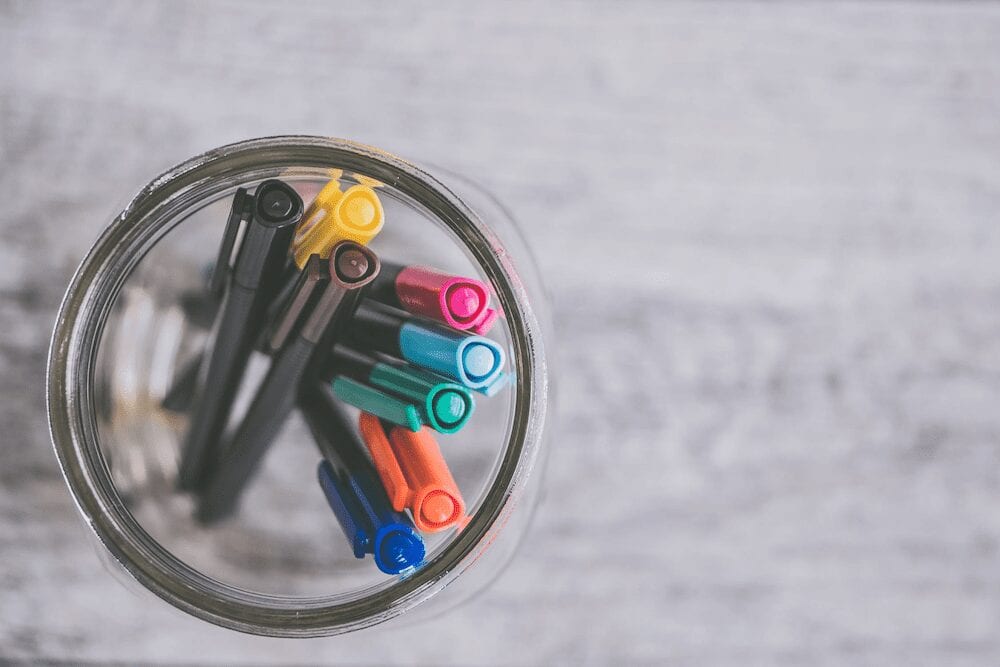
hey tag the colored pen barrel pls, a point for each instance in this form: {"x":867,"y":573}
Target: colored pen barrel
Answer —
{"x":444,"y":406}
{"x":274,"y":212}
{"x":355,"y":214}
{"x":353,"y":490}
{"x":460,"y":303}
{"x":473,"y":361}
{"x":351,"y":267}
{"x":414,"y":474}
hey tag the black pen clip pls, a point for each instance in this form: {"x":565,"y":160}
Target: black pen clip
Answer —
{"x":240,"y":212}
{"x":313,"y":275}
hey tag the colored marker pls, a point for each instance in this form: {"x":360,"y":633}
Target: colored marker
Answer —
{"x":355,"y":214}
{"x":353,"y":490}
{"x":473,"y":361}
{"x":461,"y":303}
{"x":350,"y":267}
{"x":444,"y":406}
{"x":386,"y":406}
{"x":272,"y":212}
{"x":414,"y":474}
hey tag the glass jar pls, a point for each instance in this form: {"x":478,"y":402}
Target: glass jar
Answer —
{"x":131,"y":318}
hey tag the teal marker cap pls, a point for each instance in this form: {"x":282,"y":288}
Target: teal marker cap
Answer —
{"x":474,"y":361}
{"x":445,"y":406}
{"x":377,"y":402}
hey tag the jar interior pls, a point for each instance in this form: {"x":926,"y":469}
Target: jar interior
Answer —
{"x":284,"y":539}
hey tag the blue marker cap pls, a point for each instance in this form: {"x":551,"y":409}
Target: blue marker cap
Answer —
{"x":499,"y":382}
{"x":474,"y":361}
{"x":371,"y":525}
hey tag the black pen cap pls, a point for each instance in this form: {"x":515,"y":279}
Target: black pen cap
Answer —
{"x":277,"y":209}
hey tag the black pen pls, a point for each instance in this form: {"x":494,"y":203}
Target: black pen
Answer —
{"x":351,"y":266}
{"x":185,"y":381}
{"x":271,"y":216}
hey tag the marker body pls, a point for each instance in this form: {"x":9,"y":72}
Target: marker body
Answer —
{"x":264,"y":419}
{"x":473,"y":361}
{"x":414,"y":474}
{"x":294,"y":295}
{"x":276,"y":395}
{"x":253,"y":281}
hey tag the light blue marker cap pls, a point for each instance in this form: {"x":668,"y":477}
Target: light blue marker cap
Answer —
{"x":492,"y":389}
{"x":474,"y":361}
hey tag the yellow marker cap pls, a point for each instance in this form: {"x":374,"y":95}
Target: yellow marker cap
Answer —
{"x":324,"y":200}
{"x":367,"y":180}
{"x":352,"y":215}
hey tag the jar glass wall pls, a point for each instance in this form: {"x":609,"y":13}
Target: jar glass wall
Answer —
{"x":135,"y":315}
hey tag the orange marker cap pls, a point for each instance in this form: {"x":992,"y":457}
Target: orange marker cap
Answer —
{"x":414,"y":474}
{"x":385,"y":460}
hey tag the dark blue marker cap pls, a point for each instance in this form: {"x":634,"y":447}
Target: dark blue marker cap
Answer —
{"x":371,"y":525}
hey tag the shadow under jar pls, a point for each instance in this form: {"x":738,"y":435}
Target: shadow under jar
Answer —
{"x":130,"y":321}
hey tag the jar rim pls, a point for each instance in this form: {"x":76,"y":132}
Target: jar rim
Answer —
{"x":70,"y":387}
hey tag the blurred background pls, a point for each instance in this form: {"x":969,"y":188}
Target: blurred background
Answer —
{"x":778,"y":426}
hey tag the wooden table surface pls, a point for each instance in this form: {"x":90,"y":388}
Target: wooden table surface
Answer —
{"x":778,"y":432}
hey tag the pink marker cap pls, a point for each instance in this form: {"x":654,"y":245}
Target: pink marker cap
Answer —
{"x":486,"y":322}
{"x":459,"y":302}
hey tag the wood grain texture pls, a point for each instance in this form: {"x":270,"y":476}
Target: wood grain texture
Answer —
{"x":803,"y":327}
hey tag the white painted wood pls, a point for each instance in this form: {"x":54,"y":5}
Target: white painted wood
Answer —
{"x":779,"y":423}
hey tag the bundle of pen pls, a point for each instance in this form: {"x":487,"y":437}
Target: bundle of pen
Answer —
{"x":405,"y":345}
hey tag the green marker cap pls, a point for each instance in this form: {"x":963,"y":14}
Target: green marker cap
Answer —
{"x":377,"y":402}
{"x":445,"y":406}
